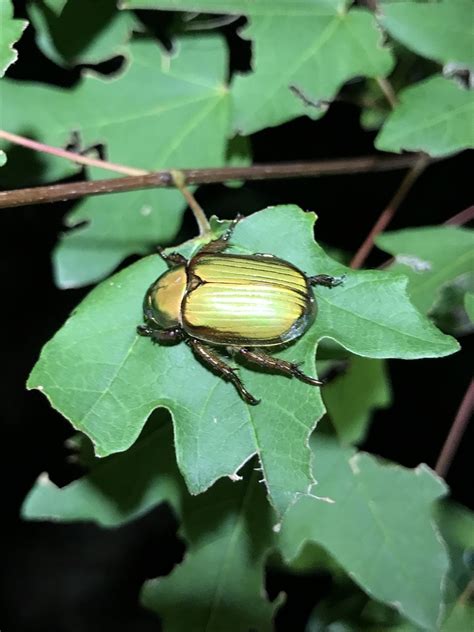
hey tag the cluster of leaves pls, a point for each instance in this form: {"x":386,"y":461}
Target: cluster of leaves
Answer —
{"x":195,"y":111}
{"x":368,"y":522}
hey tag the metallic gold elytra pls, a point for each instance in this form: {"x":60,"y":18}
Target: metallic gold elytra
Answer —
{"x":247,"y":300}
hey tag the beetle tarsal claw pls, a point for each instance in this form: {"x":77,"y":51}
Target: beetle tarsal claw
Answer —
{"x":250,"y":399}
{"x":326,"y":280}
{"x":339,"y":280}
{"x":144,"y":330}
{"x":307,"y":378}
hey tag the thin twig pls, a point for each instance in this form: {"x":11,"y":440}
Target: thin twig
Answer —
{"x":70,"y":155}
{"x":456,"y":432}
{"x":467,"y":594}
{"x":62,"y":192}
{"x":370,"y":4}
{"x":461,"y":218}
{"x":465,"y":216}
{"x":387,"y":214}
{"x":201,"y":219}
{"x":388,"y":91}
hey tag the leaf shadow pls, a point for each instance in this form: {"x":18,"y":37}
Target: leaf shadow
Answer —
{"x":135,"y":481}
{"x":78,"y":25}
{"x":23,"y":167}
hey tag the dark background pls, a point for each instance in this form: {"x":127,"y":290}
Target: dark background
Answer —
{"x":78,"y":577}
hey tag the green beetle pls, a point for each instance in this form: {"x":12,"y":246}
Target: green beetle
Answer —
{"x":239,"y":302}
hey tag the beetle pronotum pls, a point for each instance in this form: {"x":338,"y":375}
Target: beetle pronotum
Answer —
{"x":239,"y":302}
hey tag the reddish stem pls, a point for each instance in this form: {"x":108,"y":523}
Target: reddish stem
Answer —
{"x":456,"y":432}
{"x":61,"y":192}
{"x":388,"y":91}
{"x":70,"y":155}
{"x":387,"y":214}
{"x":461,"y":218}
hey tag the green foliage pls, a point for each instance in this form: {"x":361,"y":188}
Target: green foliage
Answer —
{"x":40,"y":112}
{"x":118,"y":489}
{"x":443,"y":31}
{"x":105,"y":30}
{"x":56,"y":6}
{"x":346,"y":610}
{"x":228,"y":532}
{"x":434,"y":116}
{"x":236,"y":7}
{"x":10,"y":32}
{"x":456,"y":524}
{"x":323,"y":44}
{"x":182,"y":119}
{"x":367,"y":523}
{"x":377,"y":525}
{"x":106,"y":379}
{"x":469,"y":303}
{"x":278,"y":91}
{"x":351,"y":398}
{"x":326,"y":45}
{"x":460,"y":618}
{"x":431,"y":258}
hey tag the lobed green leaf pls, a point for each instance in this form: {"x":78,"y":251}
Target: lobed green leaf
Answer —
{"x":180,"y":120}
{"x":352,"y":397}
{"x":434,"y":116}
{"x":10,"y":32}
{"x":322,"y":51}
{"x":443,"y":31}
{"x":469,"y":305}
{"x":456,"y":525}
{"x":55,"y":5}
{"x":81,"y":31}
{"x":321,"y":46}
{"x":377,"y":525}
{"x":249,"y":7}
{"x":460,"y":618}
{"x":227,"y":531}
{"x":107,"y":380}
{"x":431,"y":257}
{"x":221,"y":579}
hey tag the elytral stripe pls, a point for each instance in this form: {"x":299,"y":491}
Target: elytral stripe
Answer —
{"x":223,"y":308}
{"x":248,"y":270}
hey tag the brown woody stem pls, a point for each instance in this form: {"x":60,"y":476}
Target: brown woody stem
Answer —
{"x":179,"y":180}
{"x":461,"y":218}
{"x":456,"y":432}
{"x":70,"y":155}
{"x":388,"y":91}
{"x":62,"y":192}
{"x":387,"y":214}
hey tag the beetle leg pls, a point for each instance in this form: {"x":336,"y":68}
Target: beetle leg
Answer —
{"x":214,"y":362}
{"x":172,"y":258}
{"x":144,"y":330}
{"x":326,"y":280}
{"x":260,"y":358}
{"x":160,"y":335}
{"x":218,"y":245}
